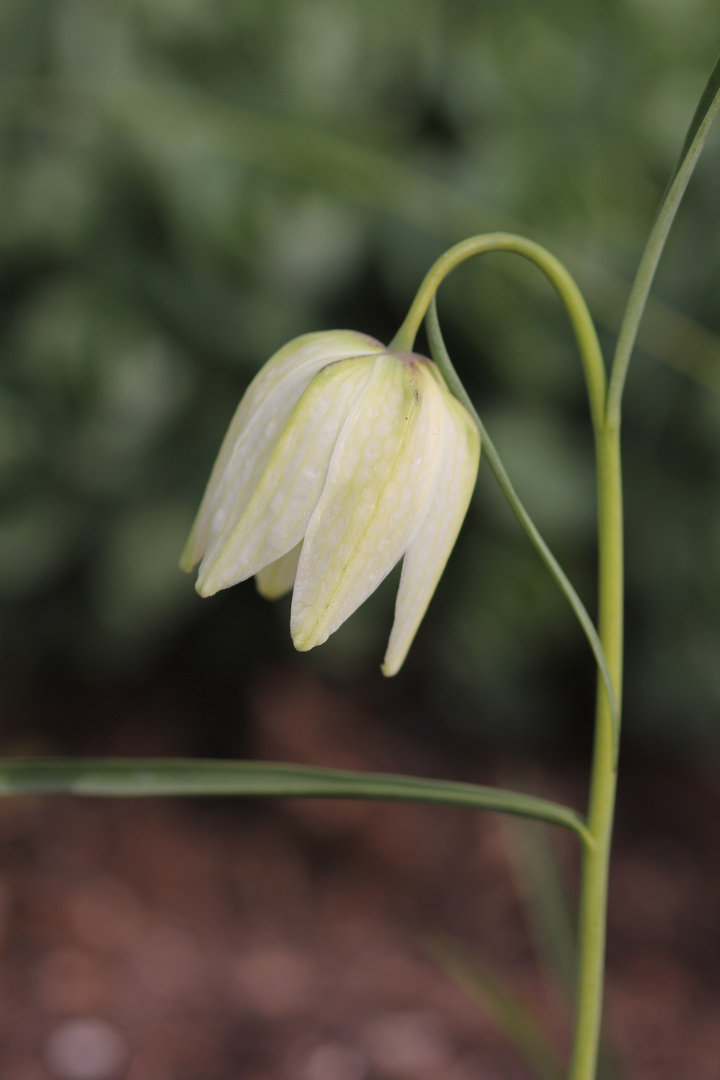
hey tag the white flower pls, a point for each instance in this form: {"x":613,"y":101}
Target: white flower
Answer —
{"x":342,"y":458}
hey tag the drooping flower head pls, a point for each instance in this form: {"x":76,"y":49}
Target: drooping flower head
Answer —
{"x":343,"y":457}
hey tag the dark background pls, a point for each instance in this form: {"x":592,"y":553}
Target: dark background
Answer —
{"x":184,"y":187}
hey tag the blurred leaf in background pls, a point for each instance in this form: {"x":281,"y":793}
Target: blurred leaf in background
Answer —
{"x":185,"y":186}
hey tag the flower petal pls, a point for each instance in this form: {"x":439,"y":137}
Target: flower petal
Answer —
{"x":278,"y":578}
{"x":275,"y":517}
{"x":430,"y":548}
{"x":376,"y":495}
{"x":260,"y":417}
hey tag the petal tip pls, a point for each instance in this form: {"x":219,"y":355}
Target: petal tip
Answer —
{"x":303,"y":643}
{"x":395,"y":657}
{"x":204,"y":587}
{"x":270,"y":590}
{"x":189,"y":558}
{"x":306,"y":632}
{"x":186,"y":564}
{"x":388,"y":670}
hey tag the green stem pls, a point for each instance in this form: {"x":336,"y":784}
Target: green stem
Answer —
{"x":596,"y":861}
{"x":561,"y":280}
{"x":593,"y":897}
{"x":596,"y":857}
{"x":142,"y":777}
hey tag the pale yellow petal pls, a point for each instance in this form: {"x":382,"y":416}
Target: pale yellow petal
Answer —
{"x":430,"y":548}
{"x":374,"y":499}
{"x":260,"y":417}
{"x":276,"y":515}
{"x":278,"y":578}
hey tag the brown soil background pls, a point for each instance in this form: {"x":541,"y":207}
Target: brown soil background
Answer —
{"x":221,"y":940}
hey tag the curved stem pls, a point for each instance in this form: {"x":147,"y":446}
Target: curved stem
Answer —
{"x":593,"y":366}
{"x":572,"y":298}
{"x":596,"y":858}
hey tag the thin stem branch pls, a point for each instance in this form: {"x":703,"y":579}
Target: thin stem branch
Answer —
{"x":593,"y":366}
{"x":442,"y":359}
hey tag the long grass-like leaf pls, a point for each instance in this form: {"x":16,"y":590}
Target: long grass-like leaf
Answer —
{"x":509,"y":1013}
{"x":149,"y":777}
{"x":700,"y":125}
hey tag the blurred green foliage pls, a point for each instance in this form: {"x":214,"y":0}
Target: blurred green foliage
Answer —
{"x":187,"y":184}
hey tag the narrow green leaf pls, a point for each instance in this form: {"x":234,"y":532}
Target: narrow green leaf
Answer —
{"x":142,"y":777}
{"x":544,"y":895}
{"x":545,"y":901}
{"x":509,"y":1013}
{"x":705,"y":107}
{"x":700,"y":125}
